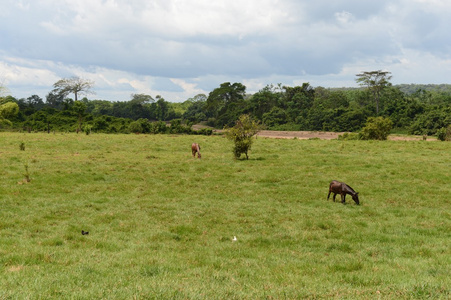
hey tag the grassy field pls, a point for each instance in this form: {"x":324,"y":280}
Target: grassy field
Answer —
{"x":161,"y":223}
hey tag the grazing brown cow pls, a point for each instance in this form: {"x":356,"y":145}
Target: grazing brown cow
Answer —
{"x":195,"y":148}
{"x":342,"y":188}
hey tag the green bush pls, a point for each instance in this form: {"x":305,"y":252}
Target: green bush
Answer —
{"x":135,"y":127}
{"x":347,"y":136}
{"x":178,"y":127}
{"x":376,"y":128}
{"x":158,"y":127}
{"x":241,"y":134}
{"x":204,"y":131}
{"x":431,"y":121}
{"x":87,"y":129}
{"x":444,"y":134}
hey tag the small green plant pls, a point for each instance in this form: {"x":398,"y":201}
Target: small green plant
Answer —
{"x":87,"y":129}
{"x":26,"y":174}
{"x":349,"y":136}
{"x":22,"y":146}
{"x":376,"y":128}
{"x":241,"y":134}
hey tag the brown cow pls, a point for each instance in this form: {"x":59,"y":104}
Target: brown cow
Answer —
{"x":342,"y":188}
{"x":195,"y":148}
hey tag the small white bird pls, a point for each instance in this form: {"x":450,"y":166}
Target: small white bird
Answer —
{"x":234,"y":239}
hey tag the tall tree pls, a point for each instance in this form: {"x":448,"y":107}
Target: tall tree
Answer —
{"x":161,"y":109}
{"x":226,"y":103}
{"x":196,"y":109}
{"x":35,"y":102}
{"x":73,"y":85}
{"x":55,"y":100}
{"x":298,"y":100}
{"x":375,"y":81}
{"x":264,"y":100}
{"x":139,"y":106}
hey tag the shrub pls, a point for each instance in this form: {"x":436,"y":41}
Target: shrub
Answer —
{"x":204,"y":131}
{"x":444,"y":134}
{"x":178,"y":127}
{"x":347,"y":136}
{"x":87,"y":129}
{"x":135,"y":127}
{"x":376,"y":128}
{"x":158,"y":127}
{"x":4,"y":123}
{"x":241,"y":134}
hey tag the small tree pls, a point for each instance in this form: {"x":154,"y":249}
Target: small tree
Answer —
{"x":376,"y":128}
{"x":241,"y":134}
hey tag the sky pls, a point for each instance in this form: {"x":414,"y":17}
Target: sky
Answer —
{"x":180,"y":48}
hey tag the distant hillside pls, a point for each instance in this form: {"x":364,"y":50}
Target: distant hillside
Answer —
{"x":412,"y":88}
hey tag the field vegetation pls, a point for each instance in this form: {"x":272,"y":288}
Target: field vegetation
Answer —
{"x":161,"y":222}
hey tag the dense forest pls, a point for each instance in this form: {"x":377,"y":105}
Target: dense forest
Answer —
{"x":413,"y":109}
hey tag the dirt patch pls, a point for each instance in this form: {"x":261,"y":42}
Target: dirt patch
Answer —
{"x":299,"y":134}
{"x":323,"y":135}
{"x":329,"y":135}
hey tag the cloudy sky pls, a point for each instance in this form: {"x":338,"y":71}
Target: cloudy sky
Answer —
{"x":180,"y":48}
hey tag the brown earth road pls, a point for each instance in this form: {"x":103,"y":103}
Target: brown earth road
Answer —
{"x":323,"y":135}
{"x":305,"y":135}
{"x":299,"y":134}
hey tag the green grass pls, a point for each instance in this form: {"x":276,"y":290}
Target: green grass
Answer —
{"x":161,"y":223}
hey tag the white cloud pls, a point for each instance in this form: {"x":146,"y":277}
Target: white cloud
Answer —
{"x":344,"y":17}
{"x":177,"y":48}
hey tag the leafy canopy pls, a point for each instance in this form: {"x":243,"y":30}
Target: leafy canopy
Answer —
{"x":375,"y":81}
{"x":7,"y":111}
{"x":73,"y":85}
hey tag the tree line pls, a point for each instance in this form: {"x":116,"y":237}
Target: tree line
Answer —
{"x":277,"y":107}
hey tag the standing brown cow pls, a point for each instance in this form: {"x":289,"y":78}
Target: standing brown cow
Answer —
{"x":195,"y":148}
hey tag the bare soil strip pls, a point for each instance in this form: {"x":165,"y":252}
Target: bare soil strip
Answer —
{"x":329,"y":135}
{"x":324,"y":135}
